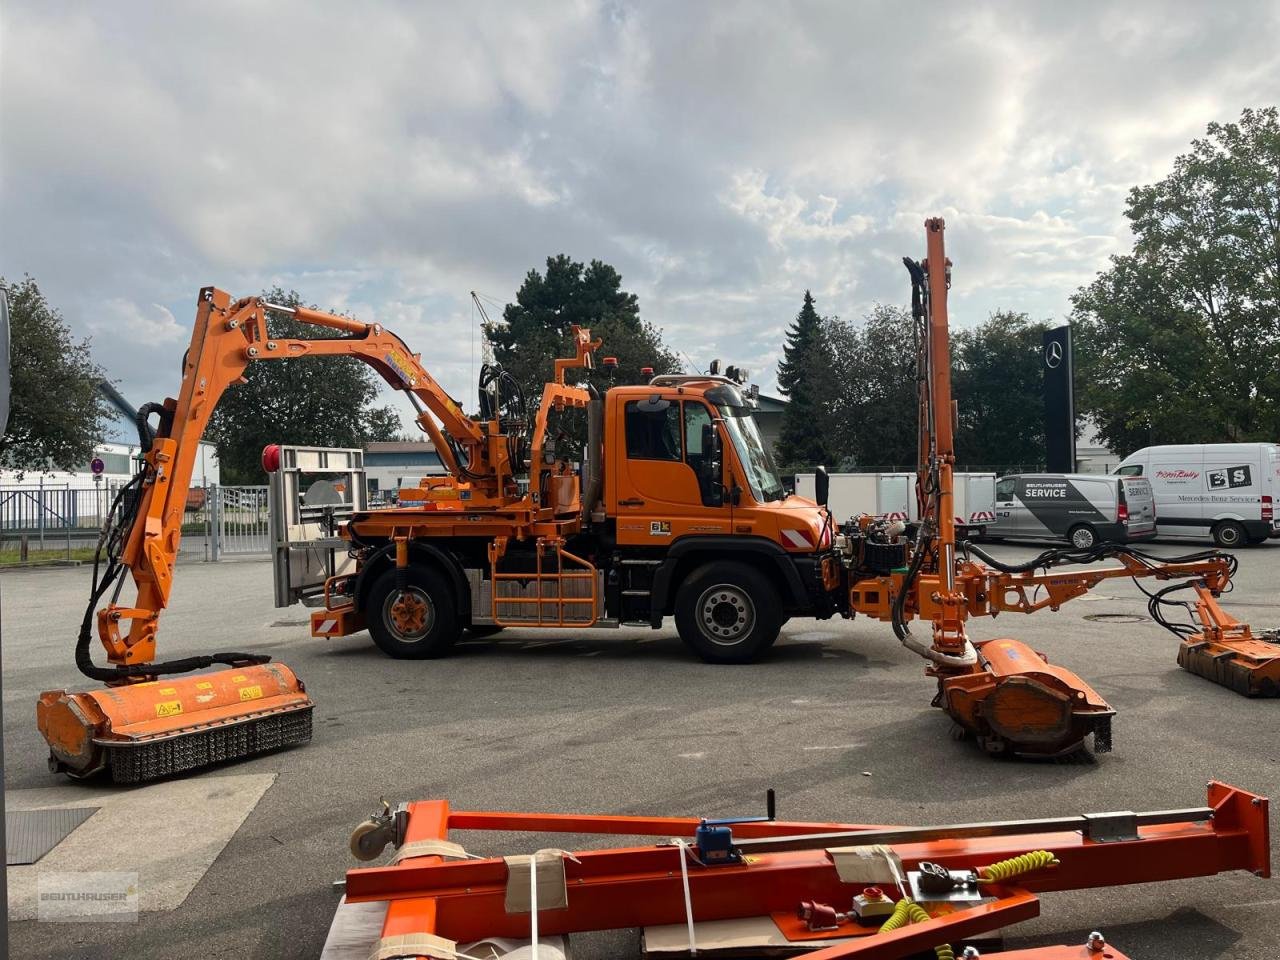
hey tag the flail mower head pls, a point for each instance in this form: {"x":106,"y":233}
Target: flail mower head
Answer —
{"x":159,"y":728}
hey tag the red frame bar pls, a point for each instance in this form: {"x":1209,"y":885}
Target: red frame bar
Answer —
{"x":641,"y":886}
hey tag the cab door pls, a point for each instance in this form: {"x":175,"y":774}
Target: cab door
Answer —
{"x":1006,"y":508}
{"x":666,"y":487}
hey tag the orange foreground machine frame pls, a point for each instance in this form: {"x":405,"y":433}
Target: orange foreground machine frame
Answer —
{"x":784,"y":871}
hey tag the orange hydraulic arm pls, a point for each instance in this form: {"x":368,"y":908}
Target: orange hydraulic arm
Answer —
{"x":1003,"y":691}
{"x":228,"y":336}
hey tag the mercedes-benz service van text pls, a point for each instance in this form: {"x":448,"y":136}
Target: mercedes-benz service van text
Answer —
{"x":1081,"y":508}
{"x":1223,"y":490}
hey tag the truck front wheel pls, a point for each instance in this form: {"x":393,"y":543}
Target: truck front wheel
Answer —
{"x":416,"y":623}
{"x":728,"y":613}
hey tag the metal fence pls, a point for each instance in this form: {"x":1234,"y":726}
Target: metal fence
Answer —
{"x":238,"y":521}
{"x":44,"y":522}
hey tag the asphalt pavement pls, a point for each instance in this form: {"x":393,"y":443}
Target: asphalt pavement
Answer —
{"x":837,"y":720}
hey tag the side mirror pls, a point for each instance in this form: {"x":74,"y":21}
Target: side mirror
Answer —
{"x":712,"y":462}
{"x":821,"y":485}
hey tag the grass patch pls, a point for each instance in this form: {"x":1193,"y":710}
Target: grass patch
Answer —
{"x":12,"y":555}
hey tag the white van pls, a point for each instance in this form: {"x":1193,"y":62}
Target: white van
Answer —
{"x":1081,"y":508}
{"x":1223,"y":490}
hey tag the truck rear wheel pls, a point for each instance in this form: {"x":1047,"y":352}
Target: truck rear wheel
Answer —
{"x":417,"y":623}
{"x":728,"y":613}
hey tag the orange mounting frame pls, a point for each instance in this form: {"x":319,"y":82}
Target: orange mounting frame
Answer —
{"x":785,"y":863}
{"x":584,"y":571}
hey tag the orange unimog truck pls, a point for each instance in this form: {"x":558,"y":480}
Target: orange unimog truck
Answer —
{"x":677,"y":510}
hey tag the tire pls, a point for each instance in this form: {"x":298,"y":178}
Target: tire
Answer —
{"x":1257,"y":541}
{"x":1082,"y":536}
{"x":436,"y":618}
{"x":1229,"y":533}
{"x":728,"y":613}
{"x":478,"y":631}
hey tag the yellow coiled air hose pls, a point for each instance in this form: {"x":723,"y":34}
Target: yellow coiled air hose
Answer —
{"x":906,"y":912}
{"x":1016,"y":866}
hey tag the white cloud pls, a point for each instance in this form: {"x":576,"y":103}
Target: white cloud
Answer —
{"x":389,"y":158}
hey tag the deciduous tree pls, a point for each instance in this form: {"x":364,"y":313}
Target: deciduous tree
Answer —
{"x":1179,"y":341}
{"x":536,"y":328}
{"x":56,"y":414}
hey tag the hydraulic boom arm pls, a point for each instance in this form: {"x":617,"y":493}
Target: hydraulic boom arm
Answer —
{"x":227,"y":337}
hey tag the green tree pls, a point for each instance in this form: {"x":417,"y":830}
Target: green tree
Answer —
{"x":998,"y":383}
{"x":320,"y":401}
{"x":876,"y":409}
{"x":536,"y":328}
{"x":56,"y":414}
{"x":806,"y":375}
{"x":1179,"y":341}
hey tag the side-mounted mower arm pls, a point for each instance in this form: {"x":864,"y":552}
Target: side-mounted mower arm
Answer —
{"x":227,"y":338}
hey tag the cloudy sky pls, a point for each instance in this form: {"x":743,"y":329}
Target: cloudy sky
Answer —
{"x":723,"y":156}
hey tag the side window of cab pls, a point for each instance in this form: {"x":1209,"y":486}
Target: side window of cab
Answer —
{"x":697,"y":418}
{"x":653,"y":429}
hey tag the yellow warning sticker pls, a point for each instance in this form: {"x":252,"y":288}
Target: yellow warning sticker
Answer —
{"x":251,"y":693}
{"x":169,"y":692}
{"x":239,"y":678}
{"x":169,"y":708}
{"x":204,"y":685}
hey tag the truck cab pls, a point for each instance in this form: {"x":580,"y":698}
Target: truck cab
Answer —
{"x":702,"y":526}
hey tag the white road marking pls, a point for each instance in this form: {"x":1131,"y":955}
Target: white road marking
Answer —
{"x":691,"y":756}
{"x":168,"y":833}
{"x":838,"y":746}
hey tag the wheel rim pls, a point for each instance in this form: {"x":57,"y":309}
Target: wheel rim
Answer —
{"x":408,"y":614}
{"x":726,"y":614}
{"x":1229,"y":536}
{"x":1082,"y":538}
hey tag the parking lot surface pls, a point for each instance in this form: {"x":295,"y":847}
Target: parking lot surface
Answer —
{"x":836,"y":719}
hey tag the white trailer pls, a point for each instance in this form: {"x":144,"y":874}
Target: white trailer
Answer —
{"x":974,"y":498}
{"x":892,"y":496}
{"x":882,"y":495}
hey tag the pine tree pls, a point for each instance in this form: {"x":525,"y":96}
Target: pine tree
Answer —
{"x":804,"y":375}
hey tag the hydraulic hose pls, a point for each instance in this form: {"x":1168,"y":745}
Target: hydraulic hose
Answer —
{"x":903,"y":632}
{"x":1017,"y":866}
{"x":115,"y":531}
{"x":907,"y":912}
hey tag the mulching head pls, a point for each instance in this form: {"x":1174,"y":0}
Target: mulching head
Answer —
{"x":144,"y":731}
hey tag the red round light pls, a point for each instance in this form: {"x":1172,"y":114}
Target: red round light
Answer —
{"x":271,"y":457}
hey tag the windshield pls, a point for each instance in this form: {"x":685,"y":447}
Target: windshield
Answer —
{"x":762,"y":475}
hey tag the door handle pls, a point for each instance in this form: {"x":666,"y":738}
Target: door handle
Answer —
{"x":631,"y":503}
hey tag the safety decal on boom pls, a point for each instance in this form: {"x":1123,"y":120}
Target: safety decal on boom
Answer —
{"x":400,"y":364}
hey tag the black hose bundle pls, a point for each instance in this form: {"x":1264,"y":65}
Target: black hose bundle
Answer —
{"x":1157,"y":601}
{"x":116,"y":529}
